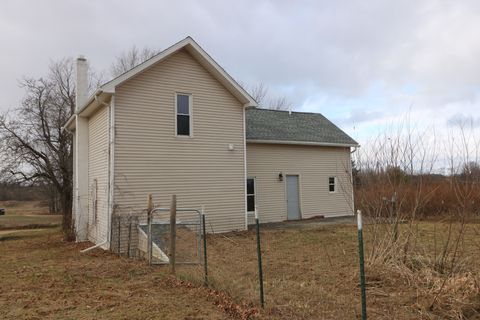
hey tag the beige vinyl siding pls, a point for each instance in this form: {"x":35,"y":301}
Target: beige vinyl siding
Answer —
{"x":98,"y":169}
{"x":200,"y":170}
{"x":314,"y":165}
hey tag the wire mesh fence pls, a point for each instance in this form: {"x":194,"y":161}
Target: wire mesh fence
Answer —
{"x":311,"y":269}
{"x":188,"y":236}
{"x":124,"y":235}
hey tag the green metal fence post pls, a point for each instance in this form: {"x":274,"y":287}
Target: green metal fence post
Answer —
{"x":362,"y":264}
{"x":259,"y":257}
{"x":205,"y":268}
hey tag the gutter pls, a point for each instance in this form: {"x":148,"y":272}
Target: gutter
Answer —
{"x":67,"y":124}
{"x":304,"y":143}
{"x":93,"y":97}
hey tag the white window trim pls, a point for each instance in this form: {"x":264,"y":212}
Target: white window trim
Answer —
{"x":250,"y":194}
{"x":190,"y":111}
{"x":334,"y":184}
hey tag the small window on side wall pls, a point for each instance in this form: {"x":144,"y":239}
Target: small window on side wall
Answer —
{"x":250,"y":195}
{"x":183,"y":112}
{"x":332,"y":184}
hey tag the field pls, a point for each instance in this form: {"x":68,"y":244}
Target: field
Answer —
{"x":43,"y":277}
{"x":311,"y":272}
{"x":26,"y":215}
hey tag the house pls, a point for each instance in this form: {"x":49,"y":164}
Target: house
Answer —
{"x":179,"y":124}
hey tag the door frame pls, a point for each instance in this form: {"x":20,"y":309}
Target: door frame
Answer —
{"x":300,"y":200}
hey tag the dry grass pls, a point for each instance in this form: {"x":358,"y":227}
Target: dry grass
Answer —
{"x":26,"y":214}
{"x":309,"y":274}
{"x":43,"y":277}
{"x":440,"y":264}
{"x":313,"y":274}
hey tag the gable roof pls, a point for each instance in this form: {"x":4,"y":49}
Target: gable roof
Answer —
{"x":201,"y":56}
{"x":283,"y":127}
{"x":105,"y":91}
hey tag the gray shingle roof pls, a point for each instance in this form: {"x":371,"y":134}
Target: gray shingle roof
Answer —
{"x":264,"y":124}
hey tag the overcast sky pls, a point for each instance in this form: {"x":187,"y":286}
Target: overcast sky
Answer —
{"x":363,"y":64}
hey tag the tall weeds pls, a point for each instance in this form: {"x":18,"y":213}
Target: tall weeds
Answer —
{"x":405,"y":176}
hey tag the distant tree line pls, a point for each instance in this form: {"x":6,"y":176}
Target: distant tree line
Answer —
{"x":396,"y":174}
{"x":15,"y":191}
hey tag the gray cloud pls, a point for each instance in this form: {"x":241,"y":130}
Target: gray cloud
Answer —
{"x":320,"y":54}
{"x":460,"y":119}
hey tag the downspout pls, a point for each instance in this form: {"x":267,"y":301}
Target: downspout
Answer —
{"x":111,"y":167}
{"x":245,"y":165}
{"x":109,"y":176}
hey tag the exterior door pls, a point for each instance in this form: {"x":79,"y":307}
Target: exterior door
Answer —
{"x":293,"y":198}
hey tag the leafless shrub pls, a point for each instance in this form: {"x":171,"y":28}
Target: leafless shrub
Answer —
{"x":399,"y":185}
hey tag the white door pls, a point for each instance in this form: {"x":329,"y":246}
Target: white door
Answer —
{"x":293,"y":198}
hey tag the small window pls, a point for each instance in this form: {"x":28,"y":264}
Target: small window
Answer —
{"x":332,"y":184}
{"x":250,"y":195}
{"x":183,"y":112}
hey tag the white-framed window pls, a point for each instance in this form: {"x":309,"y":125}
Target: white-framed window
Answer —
{"x":183,"y":114}
{"x":251,"y":194}
{"x":332,"y":184}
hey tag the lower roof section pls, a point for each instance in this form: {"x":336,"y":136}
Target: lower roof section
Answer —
{"x":284,"y":127}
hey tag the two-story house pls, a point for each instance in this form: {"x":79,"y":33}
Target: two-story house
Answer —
{"x":179,"y":124}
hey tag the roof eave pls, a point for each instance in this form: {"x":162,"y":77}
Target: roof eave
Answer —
{"x":70,"y":124}
{"x":304,"y":143}
{"x":93,"y":102}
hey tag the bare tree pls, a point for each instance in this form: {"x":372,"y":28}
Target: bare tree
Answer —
{"x":259,"y":92}
{"x":33,"y":146}
{"x":280,"y":103}
{"x":131,"y":58}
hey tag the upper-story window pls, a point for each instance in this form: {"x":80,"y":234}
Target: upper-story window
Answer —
{"x":332,"y":184}
{"x":183,"y":111}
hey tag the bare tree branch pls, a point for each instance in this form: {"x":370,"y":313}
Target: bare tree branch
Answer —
{"x":131,"y":58}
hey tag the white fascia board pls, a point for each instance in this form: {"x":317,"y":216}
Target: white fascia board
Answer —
{"x":304,"y":143}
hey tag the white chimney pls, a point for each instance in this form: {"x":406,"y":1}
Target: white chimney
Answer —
{"x":82,"y":83}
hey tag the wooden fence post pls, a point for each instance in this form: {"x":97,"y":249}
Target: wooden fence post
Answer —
{"x":173,"y":232}
{"x":149,"y":227}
